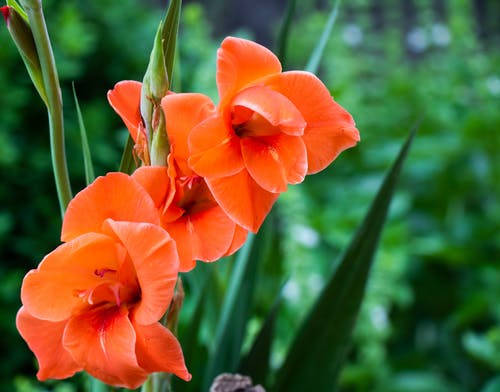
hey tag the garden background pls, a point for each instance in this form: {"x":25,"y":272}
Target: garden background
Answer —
{"x":431,"y":317}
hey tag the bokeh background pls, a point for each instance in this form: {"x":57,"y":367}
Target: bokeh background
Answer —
{"x":431,"y":318}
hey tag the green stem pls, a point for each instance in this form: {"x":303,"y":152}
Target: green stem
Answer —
{"x":36,"y":20}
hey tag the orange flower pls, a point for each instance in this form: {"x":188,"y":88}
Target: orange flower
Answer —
{"x":200,"y":228}
{"x":94,"y":304}
{"x":270,"y":130}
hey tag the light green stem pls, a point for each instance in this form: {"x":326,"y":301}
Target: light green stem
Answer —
{"x":36,"y":20}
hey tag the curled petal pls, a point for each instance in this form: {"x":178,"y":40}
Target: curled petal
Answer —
{"x":242,"y":199}
{"x":240,"y":236}
{"x":156,"y":181}
{"x":154,"y":256}
{"x":241,"y":62}
{"x":125,"y":98}
{"x":69,"y":271}
{"x":116,"y":196}
{"x":330,"y":128}
{"x":215,"y":149}
{"x":274,"y":107}
{"x":103,"y":341}
{"x":275,"y":161}
{"x":44,"y":338}
{"x":159,"y":351}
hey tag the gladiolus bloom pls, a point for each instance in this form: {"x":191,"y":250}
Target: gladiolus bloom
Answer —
{"x":271,"y":128}
{"x":94,"y":304}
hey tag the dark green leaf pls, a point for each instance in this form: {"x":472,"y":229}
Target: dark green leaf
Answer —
{"x":314,"y":60}
{"x":321,"y":345}
{"x":285,"y":31}
{"x":87,"y":157}
{"x":127,"y":163}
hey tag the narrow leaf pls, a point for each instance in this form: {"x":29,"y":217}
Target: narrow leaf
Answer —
{"x":257,"y":361}
{"x":169,"y":34}
{"x":87,"y":157}
{"x":314,"y":60}
{"x":285,"y":31}
{"x":14,"y":4}
{"x":322,"y":343}
{"x":127,"y":163}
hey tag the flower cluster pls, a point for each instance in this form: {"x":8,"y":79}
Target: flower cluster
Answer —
{"x":95,"y":302}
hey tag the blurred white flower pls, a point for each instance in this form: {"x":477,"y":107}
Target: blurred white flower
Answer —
{"x":440,"y":34}
{"x":493,"y":85}
{"x":305,"y":235}
{"x":378,"y":317}
{"x":417,"y":40}
{"x":291,"y":291}
{"x":352,"y":35}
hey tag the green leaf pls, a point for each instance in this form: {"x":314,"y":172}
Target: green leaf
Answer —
{"x":169,"y":34}
{"x":314,"y":60}
{"x":319,"y":349}
{"x":87,"y":157}
{"x":94,"y":385}
{"x":285,"y":31}
{"x":127,"y":163}
{"x":257,"y":361}
{"x":14,"y":4}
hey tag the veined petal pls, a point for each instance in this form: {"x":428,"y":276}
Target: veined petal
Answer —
{"x":205,"y":235}
{"x":241,"y":62}
{"x":103,"y":340}
{"x":330,"y":128}
{"x":67,"y":275}
{"x":275,"y":161}
{"x":273,"y":107}
{"x":242,"y":199}
{"x":125,"y":99}
{"x":116,"y":196}
{"x":44,"y":338}
{"x":214,"y":149}
{"x":154,"y":256}
{"x":159,"y":351}
{"x":182,"y":113}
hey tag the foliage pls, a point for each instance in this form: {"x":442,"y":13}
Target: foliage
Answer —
{"x":431,"y":315}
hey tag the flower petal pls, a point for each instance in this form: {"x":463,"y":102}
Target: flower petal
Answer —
{"x":155,"y":180}
{"x":103,"y":341}
{"x":275,"y":161}
{"x":239,"y":238}
{"x":125,"y":98}
{"x":241,"y":62}
{"x":215,"y":149}
{"x":69,"y":271}
{"x":156,"y":263}
{"x":182,"y":113}
{"x":330,"y":128}
{"x":273,"y":107}
{"x":44,"y":338}
{"x":205,"y":235}
{"x":242,"y":199}
{"x":159,"y":351}
{"x":116,"y":196}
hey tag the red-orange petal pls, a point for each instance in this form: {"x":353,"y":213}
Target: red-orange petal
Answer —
{"x":205,"y":235}
{"x":330,"y":128}
{"x":214,"y":149}
{"x":242,"y":199}
{"x":68,"y":271}
{"x":103,"y":341}
{"x":158,"y":350}
{"x":239,"y":238}
{"x":156,"y":181}
{"x":272,"y":106}
{"x":240,"y":63}
{"x":125,"y":98}
{"x":275,"y":161}
{"x":116,"y":196}
{"x":44,"y":338}
{"x":154,"y":256}
{"x":182,"y":113}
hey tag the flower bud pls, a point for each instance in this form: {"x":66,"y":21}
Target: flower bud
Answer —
{"x":22,"y":36}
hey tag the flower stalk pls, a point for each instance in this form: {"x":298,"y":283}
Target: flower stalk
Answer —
{"x":36,"y":21}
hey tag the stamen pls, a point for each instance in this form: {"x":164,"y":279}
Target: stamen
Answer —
{"x":100,"y":272}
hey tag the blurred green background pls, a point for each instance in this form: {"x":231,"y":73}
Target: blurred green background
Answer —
{"x":431,"y":318}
